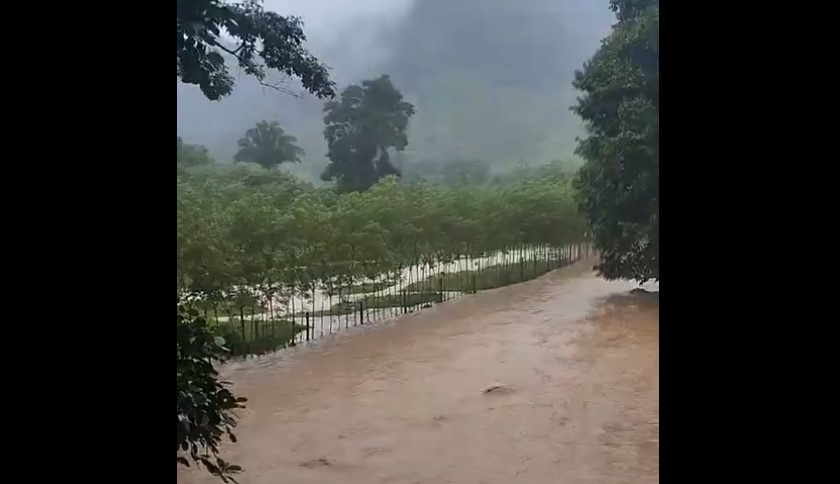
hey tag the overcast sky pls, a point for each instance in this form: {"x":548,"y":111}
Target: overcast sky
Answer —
{"x":328,"y":21}
{"x":360,"y":39}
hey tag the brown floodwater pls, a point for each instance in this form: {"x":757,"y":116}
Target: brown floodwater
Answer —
{"x":555,"y":380}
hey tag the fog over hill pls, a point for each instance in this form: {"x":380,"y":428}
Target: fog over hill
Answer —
{"x":491,"y":79}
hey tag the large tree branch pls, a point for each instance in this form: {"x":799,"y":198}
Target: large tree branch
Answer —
{"x":234,"y":52}
{"x":285,"y":90}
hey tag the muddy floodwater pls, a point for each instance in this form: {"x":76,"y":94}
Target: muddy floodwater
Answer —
{"x":551,"y":381}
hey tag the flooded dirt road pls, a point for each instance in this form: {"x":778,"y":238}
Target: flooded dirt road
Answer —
{"x":575,"y":358}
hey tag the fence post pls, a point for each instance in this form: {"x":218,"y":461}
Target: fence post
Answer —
{"x":242,"y":328}
{"x":308,"y":337}
{"x":361,"y":312}
{"x":255,"y":326}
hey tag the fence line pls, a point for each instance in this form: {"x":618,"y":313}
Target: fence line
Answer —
{"x":258,"y":324}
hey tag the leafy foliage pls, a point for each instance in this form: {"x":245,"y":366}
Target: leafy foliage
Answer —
{"x":361,"y":127}
{"x":619,"y":183}
{"x":192,"y":155}
{"x":205,"y":406}
{"x":288,"y":238}
{"x":261,"y":40}
{"x":268,"y":145}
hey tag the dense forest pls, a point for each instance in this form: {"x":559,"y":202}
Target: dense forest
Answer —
{"x":437,"y":156}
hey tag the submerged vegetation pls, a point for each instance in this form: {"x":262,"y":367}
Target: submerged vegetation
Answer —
{"x":497,"y":275}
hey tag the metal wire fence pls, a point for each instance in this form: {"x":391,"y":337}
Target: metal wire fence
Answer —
{"x":257,"y":321}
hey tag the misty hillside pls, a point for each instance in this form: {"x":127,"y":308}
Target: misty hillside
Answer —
{"x":491,"y":79}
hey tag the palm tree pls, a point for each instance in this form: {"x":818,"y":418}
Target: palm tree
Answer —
{"x":268,"y":145}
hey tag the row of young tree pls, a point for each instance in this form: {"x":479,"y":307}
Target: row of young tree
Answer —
{"x":273,"y":233}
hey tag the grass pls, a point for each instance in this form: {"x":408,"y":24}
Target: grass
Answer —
{"x":487,"y":277}
{"x":411,"y":299}
{"x":259,"y":337}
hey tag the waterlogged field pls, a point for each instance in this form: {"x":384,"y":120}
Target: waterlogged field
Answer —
{"x":266,"y":325}
{"x":274,"y":261}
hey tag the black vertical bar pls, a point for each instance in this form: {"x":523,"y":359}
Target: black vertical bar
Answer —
{"x":547,"y":256}
{"x":361,"y":312}
{"x":242,"y":327}
{"x":308,"y":336}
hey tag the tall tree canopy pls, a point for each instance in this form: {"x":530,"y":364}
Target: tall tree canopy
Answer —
{"x":268,"y":145}
{"x":257,"y":40}
{"x":361,"y":127}
{"x":619,"y":183}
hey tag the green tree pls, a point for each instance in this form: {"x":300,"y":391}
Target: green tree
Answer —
{"x":259,"y":41}
{"x":361,"y":127}
{"x":268,"y":145}
{"x":205,"y":406}
{"x":190,"y":155}
{"x":619,"y":183}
